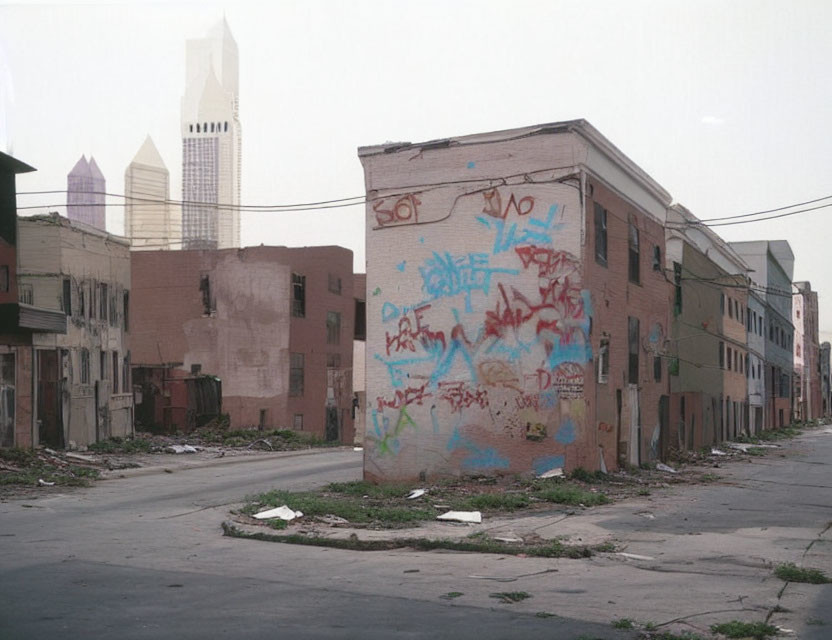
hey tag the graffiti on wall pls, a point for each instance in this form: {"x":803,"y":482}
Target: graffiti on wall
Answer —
{"x":482,"y":347}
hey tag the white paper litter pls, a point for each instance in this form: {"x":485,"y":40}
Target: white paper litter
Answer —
{"x":358,"y":448}
{"x":633,"y":556}
{"x":661,"y":466}
{"x":745,"y":446}
{"x":461,"y":516}
{"x":717,"y":452}
{"x":284,"y":513}
{"x":557,"y":472}
{"x":416,"y":493}
{"x":508,"y":539}
{"x":44,"y":483}
{"x":603,"y":464}
{"x":181,"y":448}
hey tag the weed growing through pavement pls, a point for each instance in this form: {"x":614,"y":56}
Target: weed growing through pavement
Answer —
{"x":510,"y":597}
{"x":623,"y":623}
{"x":790,"y":572}
{"x":737,"y":629}
{"x":451,"y":595}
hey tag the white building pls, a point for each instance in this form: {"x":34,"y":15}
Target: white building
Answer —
{"x":151,"y":221}
{"x":84,"y":392}
{"x":211,"y":138}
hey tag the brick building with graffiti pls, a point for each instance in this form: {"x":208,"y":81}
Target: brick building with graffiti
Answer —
{"x":517,"y":305}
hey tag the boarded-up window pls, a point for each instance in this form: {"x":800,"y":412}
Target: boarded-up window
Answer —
{"x":633,"y":343}
{"x":333,"y":327}
{"x":297,"y":422}
{"x":298,"y":295}
{"x":296,"y":374}
{"x":600,"y":234}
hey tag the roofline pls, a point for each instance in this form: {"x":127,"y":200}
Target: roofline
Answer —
{"x":719,"y":242}
{"x":55,"y":218}
{"x":10,"y":162}
{"x":580,"y":127}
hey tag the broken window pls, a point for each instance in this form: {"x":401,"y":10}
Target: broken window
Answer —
{"x":115,"y":372}
{"x":333,"y":361}
{"x":208,"y":306}
{"x":298,"y":295}
{"x":604,"y":361}
{"x":657,"y":258}
{"x":67,"y":296}
{"x":334,"y":284}
{"x":600,"y":235}
{"x":634,"y":254}
{"x":333,"y":327}
{"x":126,"y":310}
{"x":296,"y":374}
{"x":633,"y":341}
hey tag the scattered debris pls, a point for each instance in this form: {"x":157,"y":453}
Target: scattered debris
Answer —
{"x":451,"y":595}
{"x":416,"y":493}
{"x":181,"y":448}
{"x":509,"y":539}
{"x":332,"y":520}
{"x":284,"y":513}
{"x":511,"y":597}
{"x":717,"y":452}
{"x":633,"y":556}
{"x":261,"y":441}
{"x":461,"y":516}
{"x":557,"y":472}
{"x":358,"y":448}
{"x":661,"y":466}
{"x":44,"y":483}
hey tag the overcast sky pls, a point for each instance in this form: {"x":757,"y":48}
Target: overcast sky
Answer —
{"x":727,"y":104}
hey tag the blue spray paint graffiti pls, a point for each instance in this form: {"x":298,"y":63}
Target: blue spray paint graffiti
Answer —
{"x":480,"y":458}
{"x":547,"y":463}
{"x":389,"y":311}
{"x":446,"y":276}
{"x":533,"y":232}
{"x":566,"y":433}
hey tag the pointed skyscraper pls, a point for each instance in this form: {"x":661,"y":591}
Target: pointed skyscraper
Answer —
{"x":150,"y":221}
{"x":211,"y":139}
{"x":85,"y":194}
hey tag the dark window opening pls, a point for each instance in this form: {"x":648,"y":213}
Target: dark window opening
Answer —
{"x":196,"y":369}
{"x":298,"y":295}
{"x":721,"y":355}
{"x":198,"y":130}
{"x":125,"y":374}
{"x":360,"y":320}
{"x":729,"y":357}
{"x":4,"y":278}
{"x":264,"y":413}
{"x":657,"y":258}
{"x":126,"y":310}
{"x":191,"y":128}
{"x":102,"y":362}
{"x":85,"y":366}
{"x":226,"y":125}
{"x":722,"y":303}
{"x":103,"y":301}
{"x":115,"y":372}
{"x":634,"y":253}
{"x":677,"y":282}
{"x":333,"y":361}
{"x":633,"y":334}
{"x":67,"y":296}
{"x":600,"y":235}
{"x":657,"y":368}
{"x":604,"y":361}
{"x":208,"y":306}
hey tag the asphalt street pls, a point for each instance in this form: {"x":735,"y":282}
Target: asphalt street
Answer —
{"x":143,"y":557}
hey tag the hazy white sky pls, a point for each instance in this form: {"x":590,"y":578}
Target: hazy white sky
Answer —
{"x":728,"y":104}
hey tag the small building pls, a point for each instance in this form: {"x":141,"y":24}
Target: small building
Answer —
{"x":82,"y":272}
{"x":273,"y":324}
{"x":755,"y":319}
{"x":517,"y":305}
{"x":27,"y":392}
{"x":826,"y":388}
{"x":808,"y":395}
{"x":359,"y":392}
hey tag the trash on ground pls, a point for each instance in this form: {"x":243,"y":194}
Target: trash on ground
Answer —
{"x":646,"y":514}
{"x":461,"y":516}
{"x":358,"y":448}
{"x":633,"y":556}
{"x":283,"y":512}
{"x":44,"y":483}
{"x":661,"y":466}
{"x":508,"y":539}
{"x":717,"y":452}
{"x":332,"y":520}
{"x":557,"y":472}
{"x":416,"y":493}
{"x":181,"y":448}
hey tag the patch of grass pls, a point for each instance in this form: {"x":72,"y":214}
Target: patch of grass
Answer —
{"x":361,"y":488}
{"x":552,"y":549}
{"x":544,"y":614}
{"x":31,"y":469}
{"x":644,"y":492}
{"x":510,"y":597}
{"x":492,"y":502}
{"x":623,"y":623}
{"x":451,"y":595}
{"x":790,"y":572}
{"x":816,"y":622}
{"x":709,"y":477}
{"x":581,"y":474}
{"x":738,"y":629}
{"x":277,"y":523}
{"x":122,"y":445}
{"x":755,"y":451}
{"x":350,"y":508}
{"x":18,"y":457}
{"x":566,"y":494}
{"x":669,"y":635}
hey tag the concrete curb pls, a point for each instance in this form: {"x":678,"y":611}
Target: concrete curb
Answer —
{"x":178,"y":465}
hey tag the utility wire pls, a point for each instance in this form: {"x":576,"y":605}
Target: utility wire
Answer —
{"x":759,"y":213}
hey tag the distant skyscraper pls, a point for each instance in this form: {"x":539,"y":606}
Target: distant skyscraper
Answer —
{"x":85,"y":194}
{"x":150,"y":221}
{"x":211,"y":142}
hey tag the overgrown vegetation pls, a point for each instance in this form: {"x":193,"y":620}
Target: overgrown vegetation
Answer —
{"x":738,"y":629}
{"x":122,"y":445}
{"x":790,"y":572}
{"x":276,"y":439}
{"x":510,"y":597}
{"x":24,"y":467}
{"x":669,"y":635}
{"x":623,"y":623}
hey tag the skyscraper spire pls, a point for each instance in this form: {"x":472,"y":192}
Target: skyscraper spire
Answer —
{"x":85,"y":190}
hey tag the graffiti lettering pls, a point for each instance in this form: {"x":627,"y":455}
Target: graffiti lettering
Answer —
{"x":494,"y":204}
{"x":412,"y":331}
{"x":496,"y":373}
{"x":460,"y":396}
{"x":404,"y":210}
{"x":534,"y":231}
{"x":446,"y":275}
{"x":403,"y":398}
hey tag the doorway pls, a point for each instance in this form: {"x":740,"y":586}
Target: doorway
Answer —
{"x":331,"y":424}
{"x":50,"y":430}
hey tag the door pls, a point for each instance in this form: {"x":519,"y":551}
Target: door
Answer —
{"x":635,"y":425}
{"x":6,"y":399}
{"x":50,"y":432}
{"x":331,"y":424}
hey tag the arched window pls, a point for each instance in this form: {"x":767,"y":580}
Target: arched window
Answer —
{"x":226,"y":125}
{"x":212,"y":127}
{"x":197,"y":127}
{"x":191,"y":128}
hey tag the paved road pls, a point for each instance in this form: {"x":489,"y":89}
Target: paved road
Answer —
{"x":142,"y":557}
